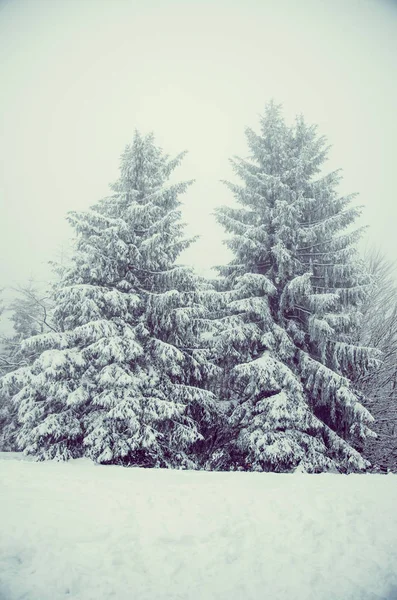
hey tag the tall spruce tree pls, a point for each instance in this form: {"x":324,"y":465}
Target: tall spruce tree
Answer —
{"x":124,"y":380}
{"x":286,"y":342}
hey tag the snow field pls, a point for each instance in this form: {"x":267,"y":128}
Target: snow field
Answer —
{"x":85,"y":532}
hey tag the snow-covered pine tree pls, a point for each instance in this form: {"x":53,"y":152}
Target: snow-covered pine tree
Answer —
{"x":124,"y":380}
{"x":30,"y":314}
{"x":4,"y":409}
{"x":379,"y":330}
{"x":286,"y":342}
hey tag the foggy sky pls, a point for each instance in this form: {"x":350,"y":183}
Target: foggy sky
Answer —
{"x":78,"y":76}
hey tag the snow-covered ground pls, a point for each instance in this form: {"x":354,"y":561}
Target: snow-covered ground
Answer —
{"x":89,"y":532}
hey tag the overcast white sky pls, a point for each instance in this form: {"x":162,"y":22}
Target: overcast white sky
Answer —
{"x":78,"y":76}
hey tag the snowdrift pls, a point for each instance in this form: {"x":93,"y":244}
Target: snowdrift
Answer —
{"x":87,"y":532}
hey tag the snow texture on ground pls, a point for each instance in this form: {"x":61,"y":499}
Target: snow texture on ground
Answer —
{"x":85,"y":532}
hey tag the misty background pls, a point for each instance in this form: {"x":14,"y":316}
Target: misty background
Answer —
{"x":78,"y":76}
